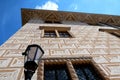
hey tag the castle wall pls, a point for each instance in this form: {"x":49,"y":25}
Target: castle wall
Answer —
{"x":88,"y":41}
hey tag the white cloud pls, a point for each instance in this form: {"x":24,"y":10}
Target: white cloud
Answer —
{"x":75,"y":7}
{"x":48,"y":6}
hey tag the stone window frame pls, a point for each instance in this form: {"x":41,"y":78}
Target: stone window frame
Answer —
{"x":56,"y":30}
{"x":69,"y":62}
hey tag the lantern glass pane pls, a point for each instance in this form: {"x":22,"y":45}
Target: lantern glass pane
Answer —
{"x":39,"y":54}
{"x":25,"y":59}
{"x":31,"y":53}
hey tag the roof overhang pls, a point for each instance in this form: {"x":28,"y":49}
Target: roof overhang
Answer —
{"x":48,"y":15}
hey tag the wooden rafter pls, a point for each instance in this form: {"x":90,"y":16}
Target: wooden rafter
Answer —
{"x":71,"y":17}
{"x":89,"y":19}
{"x":114,"y":32}
{"x":110,"y":20}
{"x":52,"y":16}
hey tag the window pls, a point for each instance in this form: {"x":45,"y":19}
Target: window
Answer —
{"x":86,"y":72}
{"x":56,"y":32}
{"x":83,"y":68}
{"x":56,"y":72}
{"x":48,"y":22}
{"x":48,"y":34}
{"x":64,"y":34}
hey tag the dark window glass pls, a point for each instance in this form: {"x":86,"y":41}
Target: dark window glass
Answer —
{"x":64,"y":34}
{"x":48,"y":22}
{"x":56,"y":72}
{"x":58,"y":22}
{"x":86,"y":72}
{"x":50,"y":34}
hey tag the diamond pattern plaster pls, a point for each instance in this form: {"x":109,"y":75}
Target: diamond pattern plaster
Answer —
{"x":10,"y":46}
{"x":100,"y":51}
{"x":80,"y":51}
{"x":9,"y":73}
{"x":49,"y":46}
{"x":13,"y":53}
{"x":100,"y":59}
{"x":88,"y":41}
{"x":114,"y":69}
{"x":67,"y":46}
{"x":17,"y":62}
{"x":85,"y":45}
{"x":114,"y":59}
{"x":1,"y":52}
{"x":115,"y":51}
{"x":4,"y":62}
{"x":60,"y":52}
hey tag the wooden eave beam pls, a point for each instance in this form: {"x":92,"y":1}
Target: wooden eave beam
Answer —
{"x":110,"y":30}
{"x":54,"y":28}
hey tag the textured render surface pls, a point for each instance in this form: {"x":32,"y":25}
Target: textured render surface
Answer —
{"x":88,"y":41}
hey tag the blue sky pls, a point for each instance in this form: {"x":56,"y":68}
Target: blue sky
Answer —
{"x":10,"y":11}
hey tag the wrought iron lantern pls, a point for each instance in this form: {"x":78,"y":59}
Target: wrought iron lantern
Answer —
{"x":33,"y":54}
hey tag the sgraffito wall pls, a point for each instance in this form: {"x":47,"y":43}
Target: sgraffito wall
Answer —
{"x":88,"y":41}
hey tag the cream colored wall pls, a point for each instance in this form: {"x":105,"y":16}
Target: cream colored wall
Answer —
{"x":88,"y":41}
